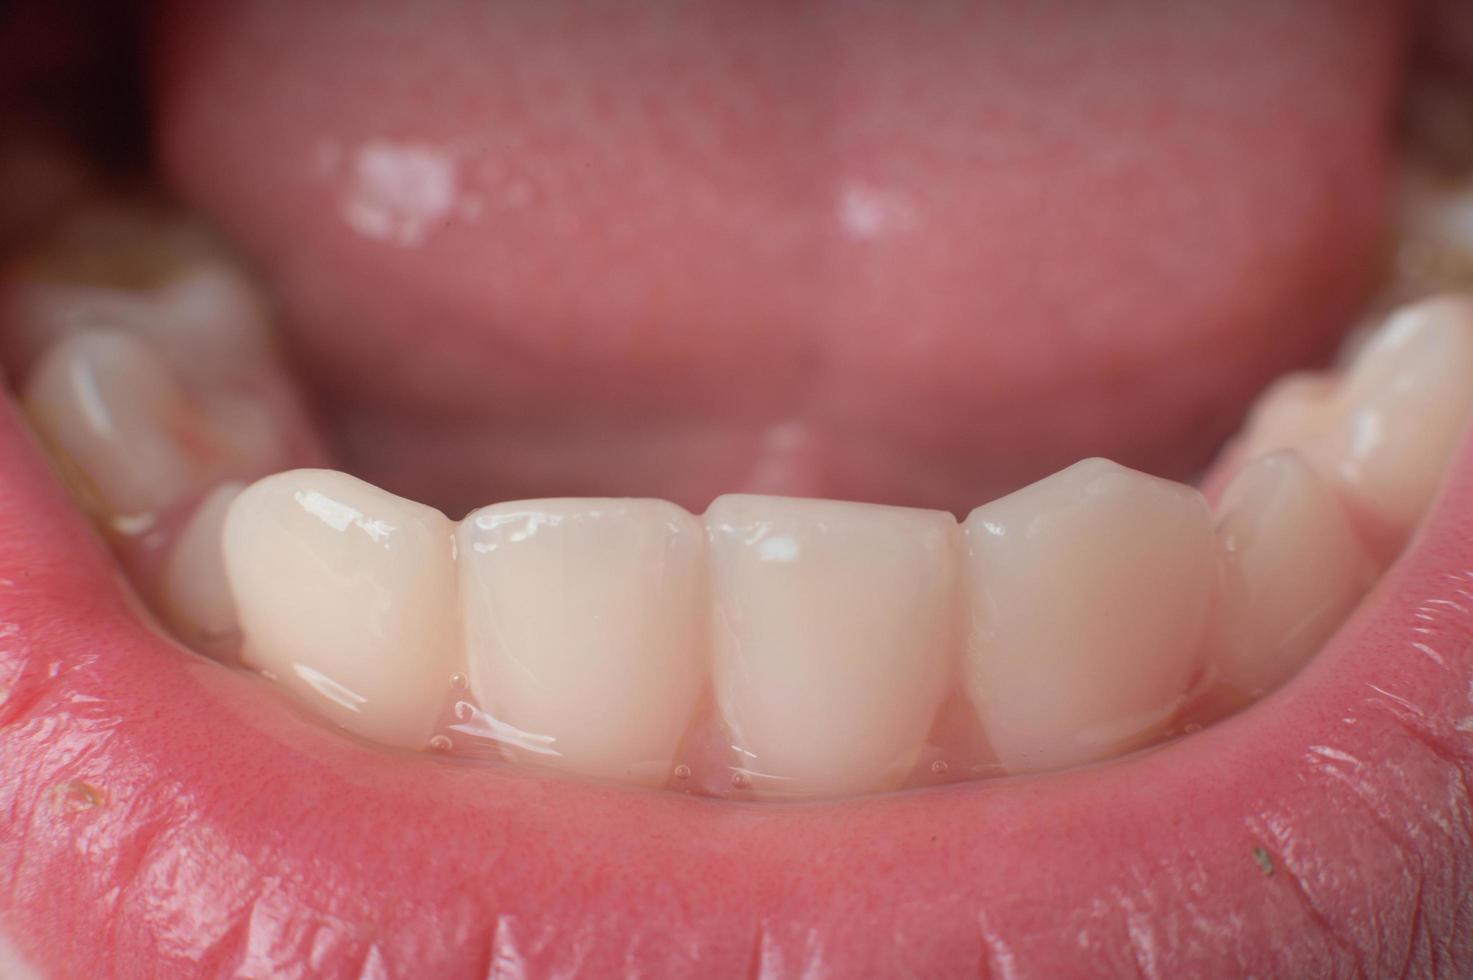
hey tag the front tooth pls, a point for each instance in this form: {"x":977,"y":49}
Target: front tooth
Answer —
{"x":120,"y":419}
{"x":1089,"y":597}
{"x":582,"y":629}
{"x":1382,"y":435}
{"x":346,"y":594}
{"x":833,"y":638}
{"x":1293,"y":568}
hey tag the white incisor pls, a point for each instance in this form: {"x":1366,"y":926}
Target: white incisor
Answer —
{"x":832,"y":638}
{"x":583,"y":630}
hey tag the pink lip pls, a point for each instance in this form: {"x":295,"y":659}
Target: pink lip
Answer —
{"x":166,"y":816}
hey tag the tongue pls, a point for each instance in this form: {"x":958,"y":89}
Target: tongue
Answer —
{"x":910,"y":254}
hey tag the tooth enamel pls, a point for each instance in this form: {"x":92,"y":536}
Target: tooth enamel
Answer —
{"x":582,"y":624}
{"x":347,"y":595}
{"x":832,"y":638}
{"x":116,"y":413}
{"x":1293,"y":569}
{"x":1382,"y":436}
{"x":206,"y":320}
{"x":215,"y":317}
{"x":44,"y":313}
{"x":1089,"y":595}
{"x":195,"y":592}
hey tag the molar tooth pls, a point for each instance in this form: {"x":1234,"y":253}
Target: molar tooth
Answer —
{"x":1383,"y":435}
{"x":833,"y":638}
{"x":1293,"y":569}
{"x":1089,"y":597}
{"x":195,"y":593}
{"x":208,"y":321}
{"x":346,"y":594}
{"x":582,"y":625}
{"x":119,"y":417}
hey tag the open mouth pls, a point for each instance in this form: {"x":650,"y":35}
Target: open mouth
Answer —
{"x":734,"y":319}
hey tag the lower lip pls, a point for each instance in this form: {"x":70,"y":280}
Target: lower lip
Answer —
{"x":170,"y":813}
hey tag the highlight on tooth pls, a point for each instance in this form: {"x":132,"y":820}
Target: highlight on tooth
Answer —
{"x":772,"y":648}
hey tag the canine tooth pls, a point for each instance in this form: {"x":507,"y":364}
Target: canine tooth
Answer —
{"x":119,"y":417}
{"x":346,"y":594}
{"x":1293,"y":569}
{"x":1089,"y":596}
{"x":1383,"y":434}
{"x":582,"y":624}
{"x":832,"y":637}
{"x":194,"y":590}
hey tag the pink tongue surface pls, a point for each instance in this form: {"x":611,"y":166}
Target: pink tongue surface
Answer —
{"x":909,"y":253}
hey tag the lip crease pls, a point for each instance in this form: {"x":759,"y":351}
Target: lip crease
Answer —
{"x":166,"y":815}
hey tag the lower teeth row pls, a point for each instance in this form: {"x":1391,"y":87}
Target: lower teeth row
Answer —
{"x":773,"y":648}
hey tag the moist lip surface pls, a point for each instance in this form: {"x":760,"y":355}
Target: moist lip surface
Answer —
{"x":168,"y":815}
